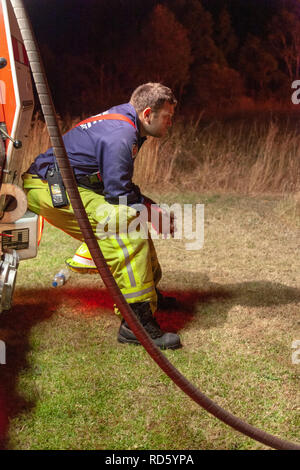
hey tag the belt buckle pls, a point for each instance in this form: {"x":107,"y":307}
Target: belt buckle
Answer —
{"x":92,"y":178}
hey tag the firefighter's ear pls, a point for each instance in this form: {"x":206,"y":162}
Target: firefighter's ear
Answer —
{"x":147,"y":113}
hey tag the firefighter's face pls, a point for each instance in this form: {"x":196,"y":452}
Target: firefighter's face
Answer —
{"x":157,"y":123}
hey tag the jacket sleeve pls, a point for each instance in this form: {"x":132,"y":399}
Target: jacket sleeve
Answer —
{"x":115,"y":162}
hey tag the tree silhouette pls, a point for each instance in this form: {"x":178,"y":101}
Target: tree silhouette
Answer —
{"x":225,"y":37}
{"x":200,"y":26}
{"x":284,"y":36}
{"x":217,"y":87}
{"x":257,"y":66}
{"x":166,"y":51}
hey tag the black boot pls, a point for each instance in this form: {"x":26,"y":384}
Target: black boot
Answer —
{"x":143,"y":313}
{"x":165,"y":302}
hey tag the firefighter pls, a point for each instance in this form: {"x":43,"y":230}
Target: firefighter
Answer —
{"x":101,"y":151}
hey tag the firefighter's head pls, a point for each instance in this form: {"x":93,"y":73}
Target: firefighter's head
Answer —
{"x":155,"y":106}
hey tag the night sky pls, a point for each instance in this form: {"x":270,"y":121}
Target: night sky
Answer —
{"x":64,"y":24}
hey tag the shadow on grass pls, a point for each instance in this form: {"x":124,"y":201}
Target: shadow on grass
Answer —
{"x":31,"y":307}
{"x":39,"y":305}
{"x":215,"y":300}
{"x":188,"y":302}
{"x":15,"y":327}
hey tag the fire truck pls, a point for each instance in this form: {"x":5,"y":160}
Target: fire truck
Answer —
{"x":19,"y":227}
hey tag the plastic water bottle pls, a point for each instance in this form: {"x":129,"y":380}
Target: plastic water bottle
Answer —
{"x":61,"y":278}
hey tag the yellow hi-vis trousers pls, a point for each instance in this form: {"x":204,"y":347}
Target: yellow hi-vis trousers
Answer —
{"x":132,"y":260}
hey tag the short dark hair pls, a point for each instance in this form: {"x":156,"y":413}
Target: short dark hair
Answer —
{"x":153,"y":95}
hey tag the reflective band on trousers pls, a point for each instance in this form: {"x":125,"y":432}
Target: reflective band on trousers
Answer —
{"x":82,"y":260}
{"x":127,"y":261}
{"x":139,"y":293}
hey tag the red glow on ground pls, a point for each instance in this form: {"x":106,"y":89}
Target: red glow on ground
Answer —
{"x":173,"y":320}
{"x":89,"y":301}
{"x":92,"y":302}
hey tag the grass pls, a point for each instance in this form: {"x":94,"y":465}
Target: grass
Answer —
{"x":247,"y":154}
{"x":68,"y":384}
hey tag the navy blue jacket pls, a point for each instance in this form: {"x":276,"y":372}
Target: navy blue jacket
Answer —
{"x":108,"y":147}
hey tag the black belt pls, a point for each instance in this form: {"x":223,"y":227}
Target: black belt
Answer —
{"x":92,"y":182}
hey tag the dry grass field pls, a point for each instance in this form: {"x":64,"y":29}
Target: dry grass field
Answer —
{"x":68,"y":384}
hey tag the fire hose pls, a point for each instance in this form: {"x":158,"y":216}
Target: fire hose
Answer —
{"x":93,"y":246}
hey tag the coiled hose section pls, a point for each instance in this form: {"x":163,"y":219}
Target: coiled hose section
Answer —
{"x":91,"y":241}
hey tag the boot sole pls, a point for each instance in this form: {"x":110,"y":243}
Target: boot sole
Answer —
{"x":137,"y":343}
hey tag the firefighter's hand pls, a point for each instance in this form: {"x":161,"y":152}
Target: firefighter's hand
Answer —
{"x":162,"y":221}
